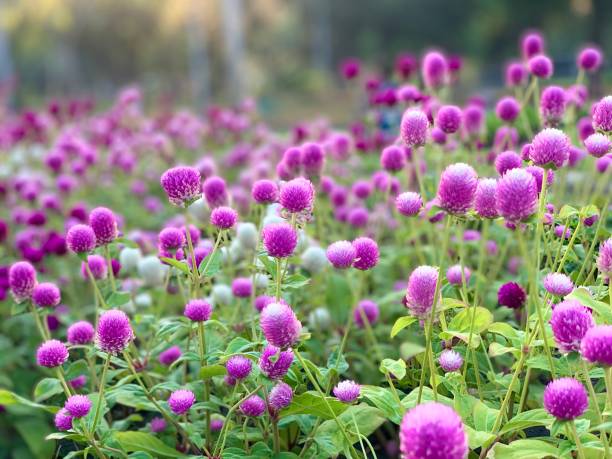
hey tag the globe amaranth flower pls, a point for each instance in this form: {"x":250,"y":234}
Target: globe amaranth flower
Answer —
{"x":297,"y":195}
{"x":157,"y":424}
{"x":63,"y":420}
{"x":596,"y":345}
{"x":433,"y":431}
{"x":602,"y":115}
{"x":370,"y":312}
{"x":366,"y":253}
{"x":565,"y":398}
{"x":170,"y":355}
{"x":264,"y":191}
{"x":274,"y":363}
{"x":507,"y":109}
{"x":238,"y":367}
{"x":114,"y":332}
{"x":78,"y":382}
{"x":413,"y":127}
{"x":438,"y":136}
{"x":223,"y":217}
{"x":280,"y":326}
{"x":78,"y":406}
{"x":81,"y":332}
{"x":182,"y":184}
{"x":216,"y":424}
{"x":253,"y":406}
{"x":598,"y":145}
{"x":171,"y":239}
{"x":280,"y":396}
{"x":511,"y":295}
{"x":558,"y":284}
{"x":602,"y":163}
{"x":434,"y":69}
{"x":506,"y":161}
{"x":51,"y":354}
{"x":541,"y":66}
{"x":454,"y":276}
{"x":104,"y":225}
{"x":516,"y":196}
{"x":589,"y":59}
{"x":532,"y":43}
{"x":420,"y":291}
{"x":550,"y":146}
{"x":358,"y":217}
{"x":312,"y":159}
{"x":314,"y":259}
{"x":552,"y":105}
{"x":341,"y":254}
{"x":393,"y":158}
{"x":242,"y":287}
{"x":570,"y":321}
{"x":347,"y":391}
{"x":409,"y":203}
{"x":604,"y":259}
{"x":97,"y":266}
{"x":516,"y":74}
{"x":538,"y":175}
{"x":181,"y":401}
{"x":484,"y":198}
{"x":81,"y":239}
{"x":46,"y":295}
{"x":198,"y":310}
{"x":279,"y":239}
{"x":215,"y":191}
{"x":450,"y":360}
{"x":448,"y":118}
{"x":457,"y":188}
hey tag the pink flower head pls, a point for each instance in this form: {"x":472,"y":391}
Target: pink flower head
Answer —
{"x":341,"y":254}
{"x":552,"y":105}
{"x":254,"y":406}
{"x":181,"y":401}
{"x":97,"y":265}
{"x":46,"y":295}
{"x":393,"y":158}
{"x":297,"y":195}
{"x":589,"y":59}
{"x":457,"y":188}
{"x":604,"y":260}
{"x":81,"y":238}
{"x":215,"y":191}
{"x":182,"y":185}
{"x":279,"y":239}
{"x":264,"y":191}
{"x":78,"y":406}
{"x":413,"y":127}
{"x":484,"y":199}
{"x":516,"y":195}
{"x":550,"y":147}
{"x":223,"y":217}
{"x":366,"y":253}
{"x":274,"y":363}
{"x":170,"y":355}
{"x":598,"y":145}
{"x":566,"y":398}
{"x":541,"y":66}
{"x":280,"y":396}
{"x":558,"y":284}
{"x":347,"y":391}
{"x":63,"y":420}
{"x":511,"y":295}
{"x":114,"y":332}
{"x":350,"y":67}
{"x":602,"y":115}
{"x":516,"y":74}
{"x":171,"y":239}
{"x":507,"y":109}
{"x":51,"y":354}
{"x":370,"y":312}
{"x":242,"y":287}
{"x":454,"y":276}
{"x":280,"y":326}
{"x":238,"y":367}
{"x":434,"y":69}
{"x":450,"y":360}
{"x":312,"y":159}
{"x":81,"y":332}
{"x":507,"y":160}
{"x":409,"y":203}
{"x":198,"y":310}
{"x":532,"y":43}
{"x":104,"y":225}
{"x":421,"y":289}
{"x":448,"y":118}
{"x":570,"y":321}
{"x":596,"y":345}
{"x":22,"y":280}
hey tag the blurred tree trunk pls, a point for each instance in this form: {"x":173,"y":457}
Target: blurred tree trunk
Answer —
{"x":233,"y":32}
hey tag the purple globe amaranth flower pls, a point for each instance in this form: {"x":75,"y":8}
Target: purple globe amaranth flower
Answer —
{"x":541,"y":66}
{"x":78,"y":406}
{"x":81,"y":332}
{"x":558,"y":284}
{"x":181,"y":401}
{"x":264,"y":191}
{"x":347,"y":391}
{"x":297,"y":195}
{"x":604,"y":259}
{"x":157,"y":425}
{"x":358,"y":217}
{"x":598,"y":145}
{"x":78,"y":382}
{"x":538,"y":175}
{"x":104,"y":225}
{"x":602,"y":115}
{"x":170,"y":355}
{"x":393,"y":158}
{"x":366,"y":253}
{"x":450,"y":360}
{"x":484,"y":198}
{"x":473,"y":120}
{"x":274,"y":363}
{"x":454,"y":276}
{"x":280,"y":326}
{"x":506,"y":161}
{"x":216,"y":424}
{"x":370,"y":312}
{"x":350,"y":67}
{"x":589,"y":59}
{"x":171,"y":239}
{"x":46,"y":295}
{"x":63,"y":420}
{"x":280,"y":396}
{"x":279,"y":239}
{"x":434,"y":69}
{"x":596,"y":345}
{"x":550,"y":146}
{"x":457,"y":188}
{"x":81,"y":239}
{"x":114,"y":332}
{"x":242,"y":287}
{"x":238,"y":367}
{"x":602,"y":163}
{"x":516,"y":196}
{"x":570,"y":321}
{"x":97,"y":266}
{"x":516,"y":74}
{"x":511,"y":295}
{"x":566,"y":398}
{"x":507,"y":109}
{"x":198,"y":310}
{"x":51,"y":354}
{"x":413,"y":127}
{"x":552,"y":105}
{"x":215,"y":191}
{"x":532,"y":43}
{"x":560,"y":230}
{"x":262,"y":301}
{"x":438,"y":136}
{"x":409,"y":203}
{"x":182,"y":184}
{"x":448,"y":118}
{"x":433,"y":431}
{"x":253,"y":406}
{"x":420,"y":291}
{"x":223,"y":217}
{"x":312,"y":158}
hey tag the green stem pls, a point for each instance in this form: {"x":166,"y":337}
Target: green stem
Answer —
{"x":203,"y":364}
{"x":572,"y":428}
{"x":278,"y":278}
{"x":62,"y":379}
{"x":109,"y":263}
{"x":593,"y":395}
{"x":100,"y":393}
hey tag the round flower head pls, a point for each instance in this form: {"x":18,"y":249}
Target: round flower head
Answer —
{"x":484,"y":199}
{"x":409,"y":203}
{"x":170,"y":355}
{"x":421,"y":289}
{"x":312,"y":159}
{"x":602,"y":163}
{"x":297,"y":195}
{"x":541,"y":66}
{"x":393,"y":158}
{"x":566,"y":398}
{"x":279,"y":239}
{"x":81,"y":239}
{"x":589,"y":59}
{"x":604,"y":260}
{"x":454,"y":277}
{"x":438,"y":135}
{"x":253,"y":406}
{"x":279,"y":324}
{"x":78,"y":382}
{"x":46,"y":295}
{"x":314,"y":259}
{"x":198,"y":310}
{"x":114,"y":332}
{"x":215,"y":191}
{"x":434,"y":69}
{"x":550,"y":146}
{"x":358,"y":217}
{"x":242,"y":287}
{"x":457,"y":188}
{"x":370,"y":312}
{"x":104,"y":225}
{"x":433,"y":431}
{"x":516,"y":196}
{"x":448,"y":118}
{"x":182,"y":185}
{"x":97,"y":265}
{"x":507,"y":160}
{"x":473,"y":120}
{"x":238,"y":367}
{"x":275,"y":363}
{"x":262,"y":301}
{"x":507,"y":109}
{"x":78,"y":405}
{"x":181,"y":401}
{"x":413,"y":127}
{"x":81,"y":332}
{"x":511,"y":295}
{"x":347,"y":391}
{"x":552,"y":105}
{"x":532,"y":43}
{"x":51,"y":354}
{"x":63,"y":420}
{"x":223,"y":217}
{"x":366,"y":253}
{"x":538,"y":175}
{"x":596,"y":345}
{"x":21,"y":280}
{"x":598,"y":145}
{"x":280,"y":396}
{"x":157,"y":425}
{"x":602,"y":115}
{"x":516,"y":74}
{"x":264,"y":191}
{"x":558,"y":284}
{"x":216,"y":425}
{"x":570,"y":321}
{"x":171,"y":239}
{"x":450,"y":360}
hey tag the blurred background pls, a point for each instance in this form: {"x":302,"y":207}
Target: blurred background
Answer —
{"x":285,"y":53}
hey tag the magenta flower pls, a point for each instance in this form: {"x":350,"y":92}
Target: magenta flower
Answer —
{"x":181,"y":401}
{"x":550,"y":146}
{"x":114,"y":332}
{"x":46,"y":295}
{"x":264,"y":191}
{"x":182,"y":185}
{"x":341,"y":254}
{"x":104,"y":225}
{"x":171,"y":239}
{"x":596,"y":345}
{"x":97,"y":265}
{"x":393,"y":158}
{"x":565,"y":398}
{"x":78,"y":406}
{"x":434,"y":69}
{"x":280,"y":326}
{"x":347,"y":391}
{"x":552,"y":105}
{"x":604,"y":260}
{"x":366,"y":253}
{"x":570,"y":321}
{"x":242,"y":287}
{"x":413,"y":127}
{"x":215,"y":191}
{"x":507,"y":109}
{"x":589,"y":59}
{"x":78,"y":382}
{"x":223,"y":217}
{"x":254,"y":406}
{"x":421,"y":289}
{"x":238,"y":367}
{"x":157,"y":425}
{"x":598,"y":145}
{"x":541,"y":66}
{"x":279,"y":239}
{"x":558,"y":284}
{"x":170,"y":355}
{"x":409,"y":203}
{"x":506,"y":161}
{"x":448,"y":118}
{"x":81,"y":332}
{"x":516,"y":74}
{"x":370,"y":311}
{"x":312,"y":159}
{"x":454,"y":277}
{"x":81,"y":239}
{"x":532,"y":43}
{"x":198,"y":310}
{"x":63,"y":420}
{"x":484,"y":198}
{"x":602,"y":115}
{"x":457,"y":188}
{"x":516,"y":195}
{"x":350,"y":67}
{"x":297,"y":195}
{"x":511,"y":295}
{"x":51,"y":354}
{"x":275,"y":363}
{"x":280,"y":396}
{"x":450,"y":360}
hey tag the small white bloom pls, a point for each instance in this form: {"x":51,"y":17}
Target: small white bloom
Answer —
{"x":152,"y":270}
{"x":319,"y":319}
{"x":222,"y":294}
{"x":129,"y":258}
{"x":314,"y":259}
{"x":247,"y":235}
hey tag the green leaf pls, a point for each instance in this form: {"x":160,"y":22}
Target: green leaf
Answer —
{"x":496,"y":349}
{"x":477,"y":439}
{"x":47,"y":387}
{"x":180,"y":265}
{"x":237,"y":345}
{"x":142,"y":441}
{"x":18,"y":308}
{"x":396,"y":368}
{"x":525,"y":449}
{"x":384,"y":400}
{"x":532,"y":418}
{"x":117,"y":299}
{"x":10,"y":398}
{"x":409,"y":350}
{"x":212,"y":370}
{"x":295,"y":281}
{"x":130,"y":395}
{"x":462,"y":321}
{"x":210,"y":268}
{"x":584,"y":297}
{"x":463,"y":336}
{"x":402,"y":323}
{"x":33,"y":430}
{"x":505,"y":330}
{"x":567,"y":211}
{"x":312,"y":403}
{"x":484,"y":417}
